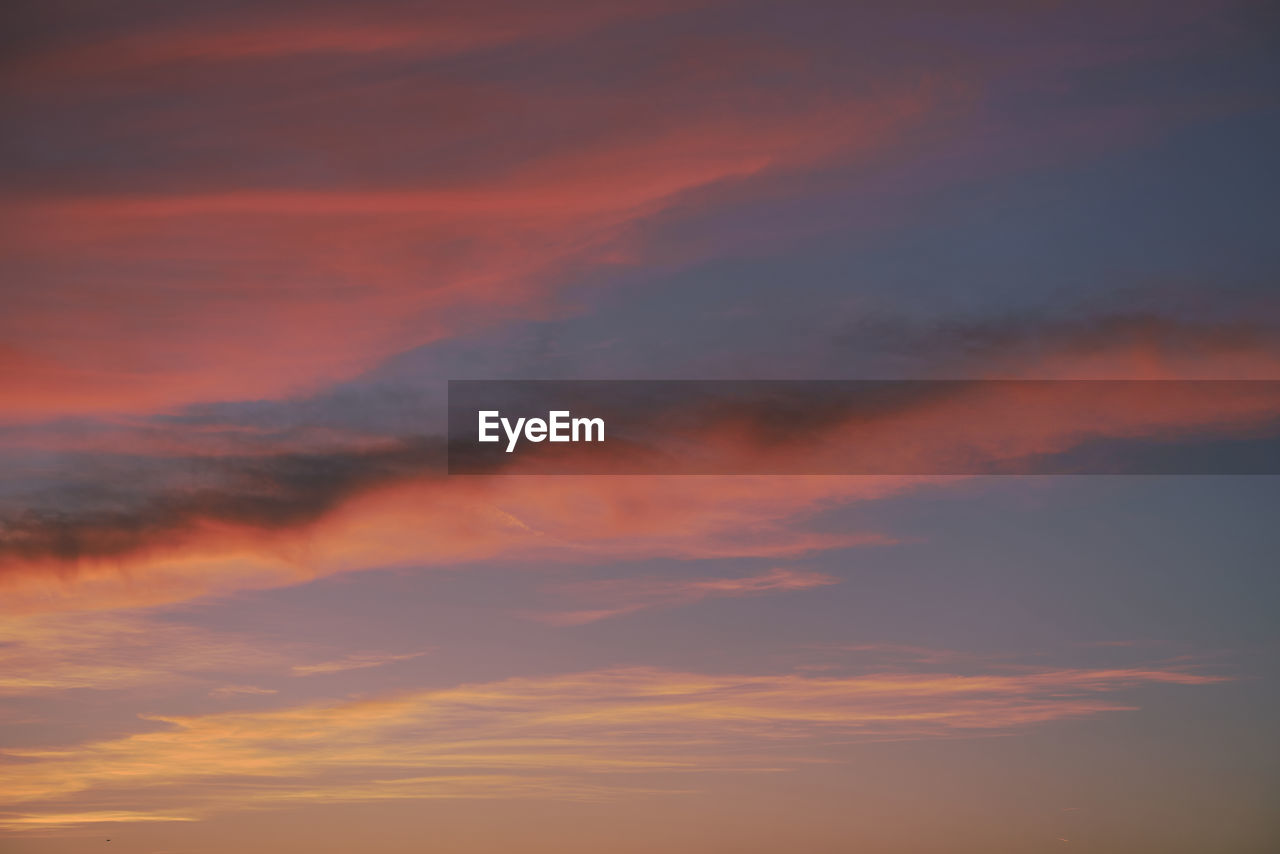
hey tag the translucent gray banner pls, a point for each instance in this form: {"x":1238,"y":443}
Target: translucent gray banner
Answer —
{"x":864,"y":427}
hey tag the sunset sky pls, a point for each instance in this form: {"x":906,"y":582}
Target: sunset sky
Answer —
{"x":244,"y":246}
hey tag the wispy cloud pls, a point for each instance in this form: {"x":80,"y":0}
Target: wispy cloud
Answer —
{"x":555,"y":736}
{"x":292,"y":532}
{"x":224,"y":691}
{"x":628,"y":595}
{"x":494,"y":231}
{"x":353,"y":662}
{"x":263,"y":521}
{"x":277,"y":33}
{"x":44,"y":654}
{"x":47,"y":821}
{"x":112,"y":651}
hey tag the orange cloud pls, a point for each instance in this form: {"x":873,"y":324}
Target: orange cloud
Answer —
{"x":436,"y":521}
{"x":56,"y":652}
{"x":637,"y":594}
{"x":279,"y":521}
{"x":225,"y":691}
{"x":48,"y":821}
{"x":362,"y":661}
{"x":568,"y":736}
{"x":121,"y":650}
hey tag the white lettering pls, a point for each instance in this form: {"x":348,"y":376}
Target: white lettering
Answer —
{"x":488,"y":421}
{"x":559,"y":426}
{"x":512,"y":434}
{"x":586,"y":424}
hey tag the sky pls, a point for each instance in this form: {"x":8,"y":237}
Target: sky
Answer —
{"x":245,"y":246}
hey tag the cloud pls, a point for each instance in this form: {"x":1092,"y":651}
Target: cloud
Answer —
{"x":428,"y":520}
{"x":577,"y":735}
{"x":120,"y":650}
{"x":47,"y":653}
{"x":629,"y":595}
{"x":424,"y":210}
{"x":199,"y":225}
{"x":273,"y":32}
{"x":248,"y":492}
{"x":164,"y":529}
{"x":47,"y":821}
{"x":225,"y":691}
{"x":353,"y":662}
{"x":1180,"y":341}
{"x":490,"y":253}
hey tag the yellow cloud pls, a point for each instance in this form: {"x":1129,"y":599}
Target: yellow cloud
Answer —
{"x":591,"y":734}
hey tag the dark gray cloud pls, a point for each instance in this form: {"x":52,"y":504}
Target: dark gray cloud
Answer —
{"x":95,"y":520}
{"x":1004,"y":340}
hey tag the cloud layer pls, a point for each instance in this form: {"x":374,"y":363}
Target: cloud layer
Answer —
{"x":581,"y":735}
